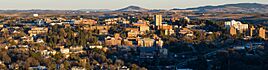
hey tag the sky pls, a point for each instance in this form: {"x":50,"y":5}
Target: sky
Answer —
{"x":113,"y":4}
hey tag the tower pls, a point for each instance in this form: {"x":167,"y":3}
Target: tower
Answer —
{"x":251,"y":31}
{"x":158,"y":20}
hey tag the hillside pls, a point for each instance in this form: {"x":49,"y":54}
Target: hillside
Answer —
{"x":233,"y":8}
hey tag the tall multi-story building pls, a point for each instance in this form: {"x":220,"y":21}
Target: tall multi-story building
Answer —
{"x":158,"y":20}
{"x":251,"y":29}
{"x":262,"y":33}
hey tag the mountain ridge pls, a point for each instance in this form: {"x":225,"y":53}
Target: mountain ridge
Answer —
{"x":226,"y":8}
{"x":232,"y":8}
{"x":132,"y":8}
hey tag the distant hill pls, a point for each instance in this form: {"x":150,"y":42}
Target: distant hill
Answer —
{"x":227,"y":8}
{"x":132,"y":8}
{"x":233,"y":8}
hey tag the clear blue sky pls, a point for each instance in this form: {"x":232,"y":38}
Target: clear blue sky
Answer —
{"x":114,"y":4}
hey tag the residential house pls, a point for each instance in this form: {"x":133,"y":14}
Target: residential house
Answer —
{"x":23,"y":48}
{"x":47,"y":52}
{"x":38,"y":68}
{"x":142,"y":25}
{"x":169,"y":32}
{"x":39,"y":40}
{"x":112,"y":21}
{"x":97,"y":27}
{"x":194,"y":26}
{"x":146,"y":42}
{"x":127,"y":42}
{"x":132,"y":34}
{"x":98,"y":47}
{"x":27,"y":39}
{"x":131,"y":29}
{"x":55,"y":23}
{"x":85,"y":22}
{"x":103,"y":32}
{"x":37,"y":30}
{"x":78,"y":68}
{"x":111,"y":41}
{"x":131,"y":42}
{"x":124,"y":68}
{"x":186,"y":31}
{"x":144,"y":28}
{"x":68,"y":22}
{"x":65,"y":50}
{"x":166,"y":27}
{"x":76,"y":49}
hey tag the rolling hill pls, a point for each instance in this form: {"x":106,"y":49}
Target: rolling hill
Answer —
{"x":234,"y":8}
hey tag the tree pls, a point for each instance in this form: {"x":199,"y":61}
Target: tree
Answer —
{"x":3,"y":67}
{"x":112,"y":67}
{"x":6,"y":58}
{"x":143,"y":68}
{"x":119,"y":62}
{"x":36,"y":55}
{"x":134,"y":67}
{"x":66,"y":65}
{"x":12,"y":42}
{"x":30,"y":61}
{"x":52,"y":66}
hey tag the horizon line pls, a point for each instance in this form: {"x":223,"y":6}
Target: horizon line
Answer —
{"x":132,"y":5}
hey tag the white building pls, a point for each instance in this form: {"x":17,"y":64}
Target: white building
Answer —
{"x":169,"y":32}
{"x":187,"y":19}
{"x":236,"y":24}
{"x":98,"y":47}
{"x":78,"y":68}
{"x":35,"y":15}
{"x":47,"y":52}
{"x":147,"y":42}
{"x":65,"y":51}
